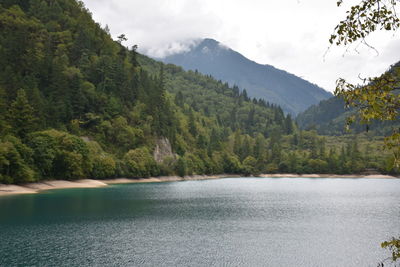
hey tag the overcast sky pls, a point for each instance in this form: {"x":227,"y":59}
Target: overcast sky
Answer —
{"x":289,"y":34}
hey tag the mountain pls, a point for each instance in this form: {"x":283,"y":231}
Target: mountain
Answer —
{"x":329,"y":117}
{"x":76,"y":104}
{"x":276,"y":86}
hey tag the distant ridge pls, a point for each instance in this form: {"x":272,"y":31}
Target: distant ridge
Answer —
{"x":292,"y":93}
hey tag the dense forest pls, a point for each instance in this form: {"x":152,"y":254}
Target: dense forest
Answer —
{"x":330,"y":116}
{"x":76,"y":104}
{"x":293,"y":94}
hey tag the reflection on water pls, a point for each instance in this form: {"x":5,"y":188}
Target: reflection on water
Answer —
{"x":228,"y":222}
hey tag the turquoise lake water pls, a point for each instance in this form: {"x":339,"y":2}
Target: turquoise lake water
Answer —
{"x":226,"y":222}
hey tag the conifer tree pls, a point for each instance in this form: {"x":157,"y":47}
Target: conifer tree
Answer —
{"x":288,"y":124}
{"x":192,"y":125}
{"x":22,"y":115}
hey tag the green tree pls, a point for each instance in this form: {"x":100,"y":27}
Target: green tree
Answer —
{"x":377,"y":99}
{"x":237,"y":143}
{"x":181,"y":167}
{"x":21,"y":115}
{"x":333,"y":164}
{"x":215,"y":141}
{"x":259,"y":146}
{"x":4,"y":125}
{"x":13,"y":168}
{"x":179,"y":99}
{"x":60,"y":155}
{"x":140,"y":163}
{"x":250,"y":166}
{"x":192,"y":124}
{"x":288,"y":124}
{"x":293,"y":163}
{"x":231,"y":163}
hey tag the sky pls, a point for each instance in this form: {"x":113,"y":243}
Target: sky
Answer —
{"x":288,"y":34}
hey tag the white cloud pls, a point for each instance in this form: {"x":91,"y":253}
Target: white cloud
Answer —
{"x":171,"y":48}
{"x":157,"y":27}
{"x":288,"y":34}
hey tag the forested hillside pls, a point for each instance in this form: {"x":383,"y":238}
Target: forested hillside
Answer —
{"x":329,"y":117}
{"x":76,"y":104}
{"x":292,"y":93}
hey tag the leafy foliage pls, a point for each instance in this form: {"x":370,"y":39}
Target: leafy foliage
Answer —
{"x":394,"y":245}
{"x":75,"y":103}
{"x":365,"y":18}
{"x":379,"y":98}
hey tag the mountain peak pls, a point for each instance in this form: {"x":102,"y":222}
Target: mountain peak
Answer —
{"x":209,"y":41}
{"x":276,"y":86}
{"x":208,"y":45}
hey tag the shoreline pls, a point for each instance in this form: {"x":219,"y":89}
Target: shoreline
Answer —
{"x":34,"y":188}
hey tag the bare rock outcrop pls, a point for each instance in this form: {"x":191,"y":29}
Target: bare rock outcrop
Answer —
{"x":163,"y":150}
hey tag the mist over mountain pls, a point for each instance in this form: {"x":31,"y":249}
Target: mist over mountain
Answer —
{"x":292,"y":93}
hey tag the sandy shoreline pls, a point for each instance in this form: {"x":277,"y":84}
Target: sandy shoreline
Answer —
{"x":33,"y":188}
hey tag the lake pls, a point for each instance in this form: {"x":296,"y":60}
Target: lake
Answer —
{"x":226,"y":222}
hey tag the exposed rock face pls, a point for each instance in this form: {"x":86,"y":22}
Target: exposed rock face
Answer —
{"x":163,"y":150}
